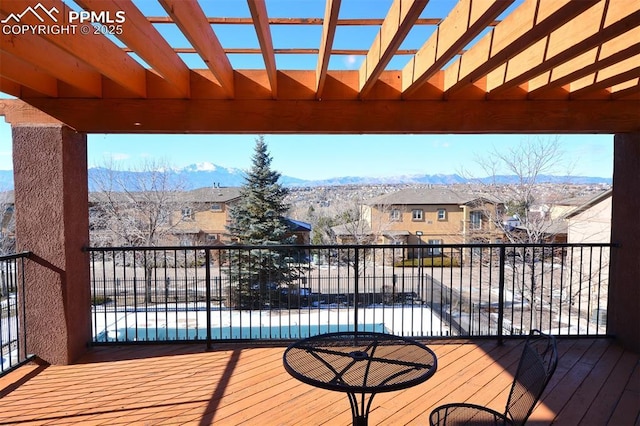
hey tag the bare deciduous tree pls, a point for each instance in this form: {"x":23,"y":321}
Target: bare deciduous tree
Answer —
{"x":528,"y":209}
{"x":137,"y":208}
{"x":7,"y":224}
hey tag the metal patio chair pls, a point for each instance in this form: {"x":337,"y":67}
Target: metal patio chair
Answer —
{"x":537,"y":364}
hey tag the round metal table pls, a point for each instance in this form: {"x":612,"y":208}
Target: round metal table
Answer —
{"x":360,"y":363}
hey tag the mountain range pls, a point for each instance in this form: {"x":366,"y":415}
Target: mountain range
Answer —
{"x":208,"y":174}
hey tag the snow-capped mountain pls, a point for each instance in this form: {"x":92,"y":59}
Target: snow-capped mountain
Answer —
{"x":208,"y":174}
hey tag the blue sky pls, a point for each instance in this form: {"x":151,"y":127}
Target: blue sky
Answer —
{"x":328,"y":156}
{"x":323,"y":156}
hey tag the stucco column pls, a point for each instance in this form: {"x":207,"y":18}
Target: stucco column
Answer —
{"x":623,"y":313}
{"x":51,"y":205}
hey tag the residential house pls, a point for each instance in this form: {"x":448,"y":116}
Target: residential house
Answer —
{"x":549,"y":222}
{"x":433,"y":215}
{"x":186,"y":218}
{"x":591,"y":223}
{"x":204,"y":216}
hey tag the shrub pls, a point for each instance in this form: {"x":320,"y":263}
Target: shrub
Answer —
{"x":100,"y":300}
{"x":436,"y":261}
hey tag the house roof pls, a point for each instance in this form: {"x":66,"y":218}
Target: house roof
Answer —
{"x":297,"y":226}
{"x":200,"y":195}
{"x":592,"y":202}
{"x":423,"y":196}
{"x":349,"y":229}
{"x":211,"y":194}
{"x":182,"y":66}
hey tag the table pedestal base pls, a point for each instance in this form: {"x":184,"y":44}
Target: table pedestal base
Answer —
{"x":360,"y":409}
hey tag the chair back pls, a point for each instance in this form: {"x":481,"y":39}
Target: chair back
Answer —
{"x":537,"y":364}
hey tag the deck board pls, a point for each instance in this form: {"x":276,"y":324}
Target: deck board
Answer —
{"x":596,"y":382}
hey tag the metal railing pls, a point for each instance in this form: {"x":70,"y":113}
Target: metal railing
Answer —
{"x":289,"y":292}
{"x":13,"y":337}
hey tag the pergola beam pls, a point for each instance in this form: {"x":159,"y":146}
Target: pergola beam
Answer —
{"x":399,"y":21}
{"x":28,"y":75}
{"x":594,"y":27}
{"x":10,"y":87}
{"x":332,"y":9}
{"x":19,"y":113}
{"x":628,"y":90}
{"x":584,"y":65}
{"x":258,"y":11}
{"x":93,"y":49}
{"x":530,"y":22}
{"x":342,"y":117}
{"x":52,"y":61}
{"x":465,"y":21}
{"x":139,"y":35}
{"x":608,"y":77}
{"x":190,"y":18}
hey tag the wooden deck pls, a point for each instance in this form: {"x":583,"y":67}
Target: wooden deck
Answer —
{"x":596,"y":383}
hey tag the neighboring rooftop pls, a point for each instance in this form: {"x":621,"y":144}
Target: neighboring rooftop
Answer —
{"x":431,"y":196}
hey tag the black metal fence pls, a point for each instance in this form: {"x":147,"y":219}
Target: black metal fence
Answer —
{"x":13,"y":338}
{"x":289,"y":292}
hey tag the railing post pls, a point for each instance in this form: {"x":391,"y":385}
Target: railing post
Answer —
{"x":207,"y":278}
{"x":501,"y":294}
{"x":356,"y":293}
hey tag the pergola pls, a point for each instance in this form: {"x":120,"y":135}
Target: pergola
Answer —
{"x":479,"y":66}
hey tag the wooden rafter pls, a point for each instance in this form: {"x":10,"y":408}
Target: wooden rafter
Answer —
{"x":193,"y":23}
{"x":627,"y":91}
{"x":464,"y":22}
{"x":258,"y":10}
{"x":94,"y":49}
{"x":615,"y":74}
{"x":484,"y":64}
{"x":326,"y":43}
{"x":399,"y":21}
{"x":592,"y":28}
{"x":295,"y":21}
{"x":588,"y":63}
{"x":526,"y":25}
{"x":52,"y":61}
{"x":28,"y":75}
{"x":146,"y":42}
{"x":10,"y":87}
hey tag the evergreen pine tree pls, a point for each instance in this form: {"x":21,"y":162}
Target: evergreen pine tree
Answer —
{"x":257,"y":220}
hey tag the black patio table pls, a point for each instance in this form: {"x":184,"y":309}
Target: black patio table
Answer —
{"x":360,"y":363}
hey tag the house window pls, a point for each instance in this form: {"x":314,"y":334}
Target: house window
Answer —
{"x":434,"y":251}
{"x":212,"y":238}
{"x":475,"y":220}
{"x":216,"y":207}
{"x":442,"y":214}
{"x":395,"y":215}
{"x":417,"y":214}
{"x":187,"y":213}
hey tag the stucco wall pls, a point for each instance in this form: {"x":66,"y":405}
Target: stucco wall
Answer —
{"x":51,"y":204}
{"x":624,"y":290}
